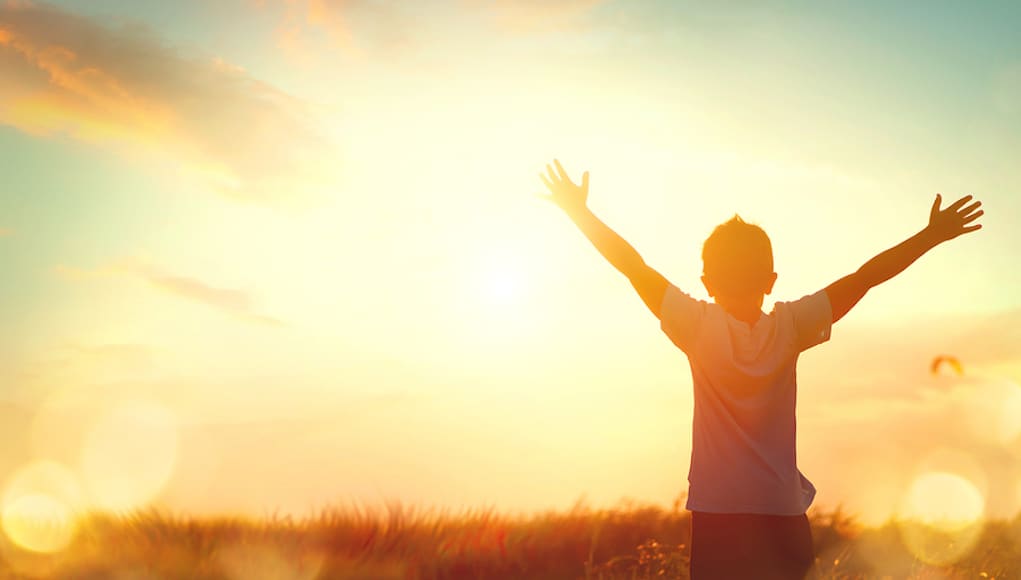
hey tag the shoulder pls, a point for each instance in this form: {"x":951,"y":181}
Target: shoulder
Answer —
{"x":808,"y":318}
{"x":681,"y":316}
{"x":810,"y":303}
{"x":675,"y":299}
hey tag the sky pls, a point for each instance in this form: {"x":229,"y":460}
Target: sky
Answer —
{"x":272,"y":256}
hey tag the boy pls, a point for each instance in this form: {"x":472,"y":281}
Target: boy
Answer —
{"x":746,"y":495}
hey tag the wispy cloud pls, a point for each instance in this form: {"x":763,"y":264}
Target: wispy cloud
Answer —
{"x":238,"y":303}
{"x":6,"y":232}
{"x":394,"y":28}
{"x":66,"y":74}
{"x":351,"y":26}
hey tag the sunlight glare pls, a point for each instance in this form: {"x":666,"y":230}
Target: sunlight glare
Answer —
{"x":500,"y":284}
{"x":944,"y":500}
{"x":495,"y":292}
{"x":39,"y":522}
{"x":38,"y":507}
{"x":940,"y":518}
{"x":129,"y":455}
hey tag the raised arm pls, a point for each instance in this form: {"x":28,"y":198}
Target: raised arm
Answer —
{"x":571,"y":198}
{"x":944,"y":225}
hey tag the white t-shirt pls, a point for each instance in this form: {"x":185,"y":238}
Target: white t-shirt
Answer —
{"x":743,"y":433}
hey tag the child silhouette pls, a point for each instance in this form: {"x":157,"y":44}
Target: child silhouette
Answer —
{"x":746,"y":495}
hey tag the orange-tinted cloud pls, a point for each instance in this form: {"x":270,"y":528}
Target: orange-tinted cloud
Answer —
{"x":377,"y":23}
{"x":235,"y":302}
{"x":393,"y":28}
{"x":6,"y":232}
{"x":65,"y":74}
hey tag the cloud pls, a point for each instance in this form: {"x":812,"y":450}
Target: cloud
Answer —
{"x":889,"y":437}
{"x":6,"y":232}
{"x":872,"y":402}
{"x":119,"y":86}
{"x":351,"y":26}
{"x":393,"y":28}
{"x":238,"y":303}
{"x":888,"y":361}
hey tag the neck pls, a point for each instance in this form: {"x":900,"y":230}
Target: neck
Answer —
{"x":749,"y":316}
{"x":747,"y":311}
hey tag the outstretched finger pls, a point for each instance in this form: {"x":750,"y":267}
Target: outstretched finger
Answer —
{"x":957,"y":204}
{"x":970,"y":208}
{"x":552,"y":176}
{"x":546,"y":180}
{"x":973,"y":217}
{"x":972,"y":228}
{"x":560,"y":170}
{"x":584,"y":181}
{"x":935,"y":206}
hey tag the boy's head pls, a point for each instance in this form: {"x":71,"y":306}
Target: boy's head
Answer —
{"x":737,"y":262}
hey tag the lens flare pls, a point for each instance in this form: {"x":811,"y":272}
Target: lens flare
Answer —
{"x":129,"y":455}
{"x":941,"y":517}
{"x":39,"y":505}
{"x":39,"y":522}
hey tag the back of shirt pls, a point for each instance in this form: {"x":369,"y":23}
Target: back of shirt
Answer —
{"x":743,"y":456}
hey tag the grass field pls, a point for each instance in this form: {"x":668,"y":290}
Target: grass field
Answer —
{"x":398,"y":542}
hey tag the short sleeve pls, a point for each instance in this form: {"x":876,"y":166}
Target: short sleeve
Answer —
{"x":680,"y":316}
{"x":813,"y":320}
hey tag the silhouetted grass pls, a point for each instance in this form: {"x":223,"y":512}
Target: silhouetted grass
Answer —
{"x":630,"y":541}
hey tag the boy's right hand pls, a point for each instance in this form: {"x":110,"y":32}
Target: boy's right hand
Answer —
{"x":564,"y":192}
{"x":947,"y":224}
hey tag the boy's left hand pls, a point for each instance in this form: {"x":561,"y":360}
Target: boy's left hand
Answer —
{"x":947,"y":224}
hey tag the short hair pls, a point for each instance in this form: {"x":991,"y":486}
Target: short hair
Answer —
{"x":737,"y":257}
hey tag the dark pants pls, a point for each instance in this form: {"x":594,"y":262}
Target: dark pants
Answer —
{"x":750,"y":547}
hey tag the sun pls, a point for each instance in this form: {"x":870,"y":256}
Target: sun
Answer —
{"x":497,"y":300}
{"x":501,"y":284}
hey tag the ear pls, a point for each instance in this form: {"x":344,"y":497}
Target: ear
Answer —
{"x":708,"y":286}
{"x":772,"y":281}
